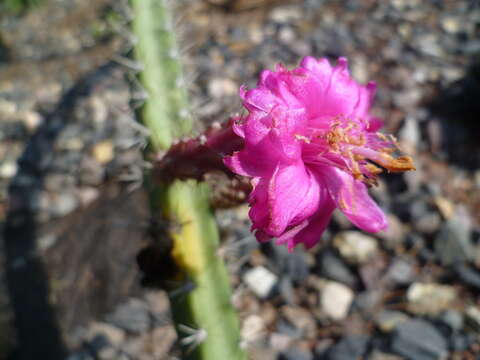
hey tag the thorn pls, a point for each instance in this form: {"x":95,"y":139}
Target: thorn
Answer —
{"x":195,"y":337}
{"x":182,"y":290}
{"x":129,"y":63}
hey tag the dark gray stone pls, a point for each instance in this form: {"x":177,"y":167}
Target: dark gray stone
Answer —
{"x":349,"y":347}
{"x":468,"y":275}
{"x":460,"y":341}
{"x":295,"y":354}
{"x":419,"y":340}
{"x":453,"y":242}
{"x":452,"y":318}
{"x":132,"y":316}
{"x":294,"y":265}
{"x":401,"y":272}
{"x":332,"y":267}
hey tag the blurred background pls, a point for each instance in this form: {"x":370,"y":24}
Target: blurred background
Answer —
{"x":74,"y":217}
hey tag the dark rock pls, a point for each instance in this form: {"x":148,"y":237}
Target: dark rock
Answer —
{"x":368,"y":301}
{"x":132,"y":316}
{"x":81,"y":355}
{"x":388,"y":320}
{"x":293,"y":264}
{"x":453,"y":243}
{"x":400,"y":272}
{"x":468,"y":275}
{"x":460,"y":341}
{"x":418,"y":340}
{"x":285,"y":287}
{"x":349,"y":347}
{"x":332,"y":267}
{"x":295,"y":354}
{"x":287,"y":328}
{"x":98,"y":343}
{"x":427,"y":223}
{"x":452,"y":318}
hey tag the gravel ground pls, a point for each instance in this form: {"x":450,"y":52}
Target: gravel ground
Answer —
{"x":408,"y":293}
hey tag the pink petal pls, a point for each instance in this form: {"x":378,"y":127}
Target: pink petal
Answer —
{"x":293,"y":195}
{"x":259,"y":212}
{"x":374,"y":124}
{"x":327,"y":91}
{"x":310,"y":231}
{"x":352,"y":198}
{"x":260,"y":98}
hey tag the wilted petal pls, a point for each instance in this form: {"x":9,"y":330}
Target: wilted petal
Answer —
{"x":352,"y":198}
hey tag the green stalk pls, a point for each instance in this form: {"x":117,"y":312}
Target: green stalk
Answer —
{"x":205,"y":306}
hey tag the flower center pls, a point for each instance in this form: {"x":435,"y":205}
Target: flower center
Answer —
{"x":350,"y":147}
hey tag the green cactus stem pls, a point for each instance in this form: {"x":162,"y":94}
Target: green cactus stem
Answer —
{"x":205,"y":319}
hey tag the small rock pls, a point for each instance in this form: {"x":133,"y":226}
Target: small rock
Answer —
{"x":335,"y":300}
{"x":418,"y":340}
{"x":32,"y":120}
{"x":452,"y":318}
{"x":46,"y":241}
{"x":8,"y":169}
{"x":132,"y":316}
{"x":301,"y":319}
{"x":263,"y":353}
{"x":333,"y":268}
{"x":284,"y":327}
{"x":107,"y":353}
{"x":388,"y":320}
{"x":430,"y":298}
{"x":261,"y":281}
{"x":368,"y":301}
{"x":285,"y":14}
{"x":427,"y":223}
{"x":62,"y":204}
{"x":87,"y":195}
{"x":159,"y":306}
{"x":354,"y":246}
{"x":286,"y":289}
{"x":472,"y":315}
{"x":295,"y":354}
{"x":294,"y":264}
{"x":280,"y":342}
{"x":410,"y":135}
{"x":460,"y":341}
{"x":400,"y":272}
{"x":103,"y":152}
{"x":114,"y":335}
{"x":453,"y":243}
{"x":162,"y":339}
{"x":451,"y":25}
{"x":349,"y":347}
{"x":221,"y":87}
{"x":445,"y":206}
{"x":468,"y":275}
{"x":395,"y":233}
{"x":253,"y":329}
{"x":379,"y":355}
{"x":407,"y":98}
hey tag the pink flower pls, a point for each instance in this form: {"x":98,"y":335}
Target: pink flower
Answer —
{"x":310,"y":145}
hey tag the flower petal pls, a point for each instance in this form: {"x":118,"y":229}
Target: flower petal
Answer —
{"x":293,"y":195}
{"x":310,"y":231}
{"x":259,"y":212}
{"x":352,"y":198}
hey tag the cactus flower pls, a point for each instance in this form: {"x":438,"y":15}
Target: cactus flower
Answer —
{"x":310,"y":145}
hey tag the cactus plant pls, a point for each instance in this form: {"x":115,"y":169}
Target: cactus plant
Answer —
{"x":205,"y":319}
